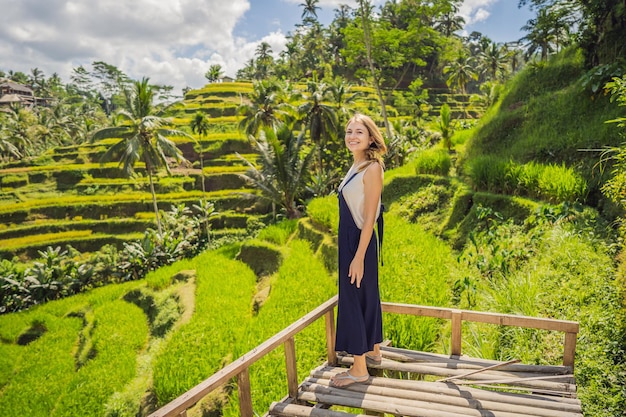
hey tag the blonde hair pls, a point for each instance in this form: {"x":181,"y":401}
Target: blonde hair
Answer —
{"x":377,"y":148}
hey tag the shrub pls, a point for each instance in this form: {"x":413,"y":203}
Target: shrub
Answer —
{"x":489,"y":173}
{"x":553,"y":183}
{"x":559,"y":183}
{"x":433,"y":161}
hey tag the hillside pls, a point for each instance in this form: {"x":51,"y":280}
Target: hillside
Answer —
{"x":67,"y":196}
{"x":450,"y":240}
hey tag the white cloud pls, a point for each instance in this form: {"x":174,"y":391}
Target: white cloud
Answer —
{"x":173,"y":42}
{"x":476,"y":10}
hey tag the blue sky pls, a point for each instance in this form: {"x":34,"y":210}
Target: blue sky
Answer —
{"x":174,"y":42}
{"x":500,"y":20}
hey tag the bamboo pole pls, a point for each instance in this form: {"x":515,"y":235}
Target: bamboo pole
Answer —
{"x":392,"y":395}
{"x":440,"y":388}
{"x":437,"y":359}
{"x":513,"y":380}
{"x":399,"y":406}
{"x":288,"y":410}
{"x":445,"y":372}
{"x":498,"y":365}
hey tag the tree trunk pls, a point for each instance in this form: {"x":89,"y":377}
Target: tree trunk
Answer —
{"x":206,"y":219}
{"x":154,"y":201}
{"x":368,"y":47}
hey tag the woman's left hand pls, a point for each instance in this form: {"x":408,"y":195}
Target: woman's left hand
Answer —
{"x":356,"y":271}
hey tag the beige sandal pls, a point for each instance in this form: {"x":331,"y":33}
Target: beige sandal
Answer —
{"x":349,"y":378}
{"x":373,"y":359}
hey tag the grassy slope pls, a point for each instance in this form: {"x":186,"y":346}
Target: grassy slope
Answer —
{"x":569,"y":275}
{"x":563,"y":269}
{"x":545,"y":115}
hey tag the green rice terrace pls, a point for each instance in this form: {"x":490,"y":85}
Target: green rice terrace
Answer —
{"x":513,"y":220}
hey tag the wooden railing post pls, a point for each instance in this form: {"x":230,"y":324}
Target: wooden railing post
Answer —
{"x":330,"y":337}
{"x":569,"y":349}
{"x":292,"y":368}
{"x":457,"y":327}
{"x":245,"y":394}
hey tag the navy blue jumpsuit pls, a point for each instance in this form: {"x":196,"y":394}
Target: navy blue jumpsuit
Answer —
{"x":359,"y":316}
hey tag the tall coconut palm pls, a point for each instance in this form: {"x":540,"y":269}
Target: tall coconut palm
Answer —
{"x":342,"y":97}
{"x":365,"y":10}
{"x":265,"y":108}
{"x":282,"y":171}
{"x":309,"y":11}
{"x":264,"y":60}
{"x":449,"y":22}
{"x":143,"y":137}
{"x":319,"y":116}
{"x":460,"y":72}
{"x":200,"y":126}
{"x":493,"y":61}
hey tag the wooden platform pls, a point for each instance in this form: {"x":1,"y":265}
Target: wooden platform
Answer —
{"x":410,"y":383}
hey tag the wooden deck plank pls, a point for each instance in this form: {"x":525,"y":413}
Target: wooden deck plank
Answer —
{"x":289,"y":410}
{"x":421,"y":398}
{"x":547,"y":401}
{"x":565,"y":386}
{"x":448,"y":397}
{"x":465,"y":362}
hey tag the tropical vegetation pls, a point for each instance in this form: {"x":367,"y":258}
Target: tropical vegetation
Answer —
{"x":504,"y":192}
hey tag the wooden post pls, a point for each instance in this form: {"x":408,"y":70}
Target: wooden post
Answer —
{"x":457,"y":327}
{"x":292,"y":369}
{"x":245,"y":395}
{"x":330,"y":336}
{"x":569,"y":349}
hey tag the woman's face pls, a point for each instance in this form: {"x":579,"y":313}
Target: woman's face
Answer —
{"x":357,"y":137}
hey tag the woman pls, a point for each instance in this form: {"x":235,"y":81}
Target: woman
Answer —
{"x":359,"y":316}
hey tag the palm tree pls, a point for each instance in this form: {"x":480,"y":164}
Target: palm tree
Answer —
{"x":214,"y":73}
{"x":143,"y":137}
{"x":460,"y":73}
{"x":342,"y":97}
{"x":263,"y":61}
{"x":366,"y":9}
{"x":309,"y":11}
{"x":541,"y":34}
{"x":200,"y":126}
{"x":493,"y":61}
{"x":449,"y":22}
{"x":7,"y":149}
{"x":283,"y":171}
{"x":17,"y":129}
{"x":319,"y":117}
{"x":265,"y":108}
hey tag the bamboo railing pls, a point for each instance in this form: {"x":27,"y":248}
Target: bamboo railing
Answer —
{"x":239,"y":368}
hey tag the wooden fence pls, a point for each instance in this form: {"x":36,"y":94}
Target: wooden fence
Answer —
{"x":239,"y":368}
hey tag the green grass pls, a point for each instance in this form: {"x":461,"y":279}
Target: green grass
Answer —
{"x":546,"y":116}
{"x":42,"y":379}
{"x":295,"y":291}
{"x":433,"y":161}
{"x":222,"y":309}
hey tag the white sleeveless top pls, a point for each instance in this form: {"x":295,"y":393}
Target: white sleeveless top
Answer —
{"x":354,"y":194}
